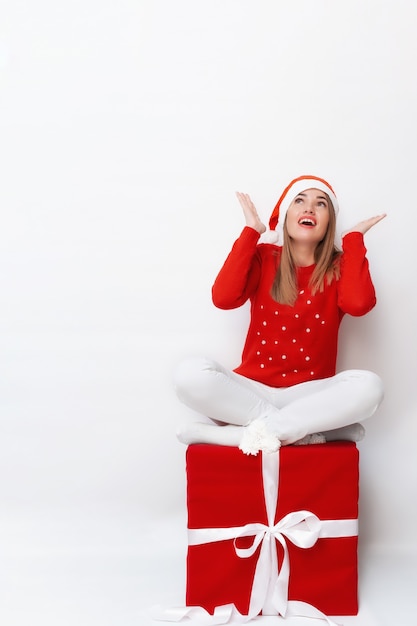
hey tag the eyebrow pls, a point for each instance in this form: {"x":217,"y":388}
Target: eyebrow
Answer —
{"x":304,"y":195}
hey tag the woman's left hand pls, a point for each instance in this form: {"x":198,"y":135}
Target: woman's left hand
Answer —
{"x":365,"y":225}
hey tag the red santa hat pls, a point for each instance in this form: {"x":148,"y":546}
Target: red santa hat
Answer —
{"x":295,"y":187}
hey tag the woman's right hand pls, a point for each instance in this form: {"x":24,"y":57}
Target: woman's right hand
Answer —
{"x":251,"y":214}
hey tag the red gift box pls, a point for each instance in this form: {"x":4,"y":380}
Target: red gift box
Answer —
{"x":273,"y":533}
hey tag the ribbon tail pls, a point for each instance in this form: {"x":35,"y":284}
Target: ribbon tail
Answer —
{"x":280,"y":591}
{"x":261,"y":579}
{"x":225,"y":614}
{"x":302,"y":609}
{"x":269,"y":607}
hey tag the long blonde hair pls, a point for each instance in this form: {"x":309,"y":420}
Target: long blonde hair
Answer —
{"x":326,"y":258}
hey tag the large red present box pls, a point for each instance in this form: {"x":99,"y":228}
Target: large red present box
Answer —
{"x":237,"y":556}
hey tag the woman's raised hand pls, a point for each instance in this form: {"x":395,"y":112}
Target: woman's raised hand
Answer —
{"x":251,"y":214}
{"x":365,"y":225}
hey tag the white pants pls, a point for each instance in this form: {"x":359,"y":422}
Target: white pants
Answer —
{"x":294,"y":412}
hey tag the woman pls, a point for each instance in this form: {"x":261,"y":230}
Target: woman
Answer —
{"x":286,"y":389}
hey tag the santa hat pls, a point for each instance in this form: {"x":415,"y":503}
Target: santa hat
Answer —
{"x":292,"y":190}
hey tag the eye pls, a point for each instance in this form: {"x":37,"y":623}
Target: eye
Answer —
{"x":298,"y":200}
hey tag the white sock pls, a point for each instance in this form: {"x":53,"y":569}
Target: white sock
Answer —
{"x":353,"y":432}
{"x":311,"y":439}
{"x":200,"y":432}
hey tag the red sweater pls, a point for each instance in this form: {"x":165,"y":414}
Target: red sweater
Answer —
{"x":286,"y":345}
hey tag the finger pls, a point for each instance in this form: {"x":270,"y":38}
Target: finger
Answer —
{"x":246,"y":201}
{"x":242,"y":197}
{"x":377,"y":218}
{"x":380,"y":217}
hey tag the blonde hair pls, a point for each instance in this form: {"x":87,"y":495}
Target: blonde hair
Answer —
{"x":326,"y":258}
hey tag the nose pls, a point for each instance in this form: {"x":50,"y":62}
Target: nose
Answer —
{"x":309,"y":208}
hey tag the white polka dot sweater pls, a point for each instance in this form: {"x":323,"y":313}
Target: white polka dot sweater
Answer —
{"x":286,"y":345}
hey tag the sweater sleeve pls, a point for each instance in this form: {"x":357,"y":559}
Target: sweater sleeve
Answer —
{"x":356,"y":293}
{"x":239,"y":276}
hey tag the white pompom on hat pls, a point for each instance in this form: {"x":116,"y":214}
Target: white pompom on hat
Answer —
{"x":296,"y":186}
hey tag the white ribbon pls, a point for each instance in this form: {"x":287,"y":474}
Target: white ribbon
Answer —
{"x":270,"y":584}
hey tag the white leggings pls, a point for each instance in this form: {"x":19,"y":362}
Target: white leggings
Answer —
{"x":294,"y":412}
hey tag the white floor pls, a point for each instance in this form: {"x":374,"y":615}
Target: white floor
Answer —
{"x":94,"y":582}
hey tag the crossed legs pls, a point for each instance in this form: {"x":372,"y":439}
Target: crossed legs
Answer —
{"x":239,"y":406}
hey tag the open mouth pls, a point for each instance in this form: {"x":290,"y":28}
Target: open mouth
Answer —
{"x":307,"y":221}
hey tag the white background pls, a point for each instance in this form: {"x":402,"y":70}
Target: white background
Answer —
{"x":125,"y":128}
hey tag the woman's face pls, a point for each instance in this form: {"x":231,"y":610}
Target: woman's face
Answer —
{"x":308,"y":216}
